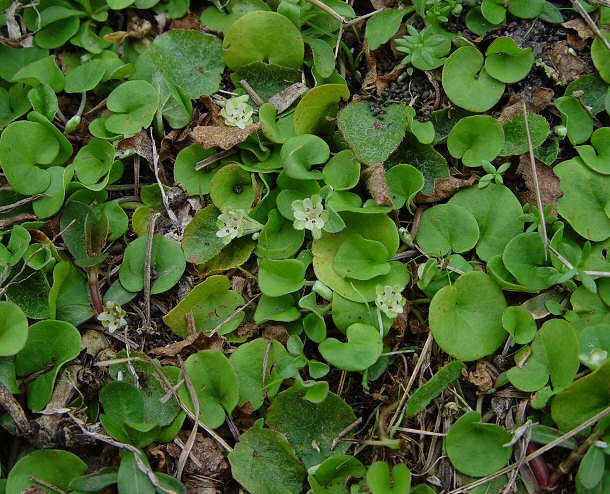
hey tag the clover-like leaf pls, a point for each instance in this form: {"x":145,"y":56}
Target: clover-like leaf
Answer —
{"x":466,"y":317}
{"x":372,"y":139}
{"x":191,"y":60}
{"x":265,"y":463}
{"x":447,"y":228}
{"x":476,"y":138}
{"x":49,"y":342}
{"x":215,"y":384}
{"x":476,"y":448}
{"x":584,"y":204}
{"x":597,"y":155}
{"x":133,"y":104}
{"x":54,"y":466}
{"x":361,"y":350}
{"x":506,"y":62}
{"x":310,"y":427}
{"x":467,"y":83}
{"x":13,"y":329}
{"x":554,"y":354}
{"x":263,"y":36}
{"x":496,"y":211}
{"x":167,"y":262}
{"x":361,"y":259}
{"x":212,"y":304}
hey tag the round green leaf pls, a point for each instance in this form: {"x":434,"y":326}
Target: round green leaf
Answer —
{"x":362,"y":349}
{"x":361,"y":259}
{"x":191,"y":60}
{"x":597,"y":156}
{"x":506,"y":62}
{"x":524,"y":257}
{"x":467,"y":83}
{"x":526,"y":9}
{"x":167,"y":264}
{"x":13,"y":329}
{"x":249,"y":361}
{"x":494,"y":11}
{"x":213,"y":306}
{"x":300,"y":153}
{"x":554,"y":354}
{"x":476,"y":138}
{"x":317,"y":106}
{"x":93,"y":162}
{"x":215,"y":383}
{"x":342,"y":171}
{"x":466,"y":317}
{"x":265,"y":463}
{"x":85,"y":77}
{"x":404,"y":182}
{"x":475,"y":448}
{"x":278,"y":239}
{"x":196,"y":183}
{"x":520,"y":324}
{"x":601,"y":57}
{"x":134,"y":104}
{"x":48,"y":341}
{"x":585,"y":200}
{"x":310,"y":427}
{"x":263,"y":36}
{"x":280,"y":277}
{"x":496,"y":211}
{"x":232,"y":186}
{"x":54,"y":466}
{"x":447,"y":228}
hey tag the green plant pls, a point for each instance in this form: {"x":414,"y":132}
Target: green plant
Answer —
{"x":424,"y":49}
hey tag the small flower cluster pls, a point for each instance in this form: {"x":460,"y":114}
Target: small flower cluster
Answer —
{"x":309,"y":214}
{"x":234,"y":223}
{"x":237,"y":112}
{"x":113,"y":317}
{"x":390,"y":301}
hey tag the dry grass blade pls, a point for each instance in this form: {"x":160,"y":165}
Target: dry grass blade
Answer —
{"x":328,"y":10}
{"x":543,"y":232}
{"x":147,"y":268}
{"x":186,"y":451}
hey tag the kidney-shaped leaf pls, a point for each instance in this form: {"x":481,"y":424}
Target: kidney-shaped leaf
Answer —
{"x":133,"y":104}
{"x":597,"y":155}
{"x":466,"y":317}
{"x":476,"y":138}
{"x":277,"y":278}
{"x":507,"y":62}
{"x":361,"y":259}
{"x":476,"y":448}
{"x":361,"y":350}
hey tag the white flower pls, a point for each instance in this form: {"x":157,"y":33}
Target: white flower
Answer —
{"x":237,"y":112}
{"x":234,"y":223}
{"x":113,"y":317}
{"x":310,"y":214}
{"x":389,"y":300}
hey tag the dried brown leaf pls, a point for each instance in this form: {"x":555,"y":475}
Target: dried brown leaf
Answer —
{"x":547,"y":181}
{"x":537,"y":99}
{"x":568,"y":66}
{"x":374,"y":177}
{"x":189,"y":21}
{"x":444,"y":188}
{"x":580,"y":26}
{"x":222,"y":136}
{"x":140,"y":144}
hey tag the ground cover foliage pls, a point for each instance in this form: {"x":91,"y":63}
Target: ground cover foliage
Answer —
{"x":304,"y":246}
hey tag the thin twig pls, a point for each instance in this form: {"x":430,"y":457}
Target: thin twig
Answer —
{"x":215,"y":158}
{"x":547,"y":447}
{"x":155,"y":155}
{"x":414,"y":374}
{"x":21,"y":202}
{"x":545,"y":238}
{"x":345,"y":431}
{"x":147,"y":268}
{"x":568,"y":264}
{"x":328,"y":10}
{"x":587,"y":18}
{"x":186,"y":451}
{"x":12,"y":406}
{"x":252,"y":93}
